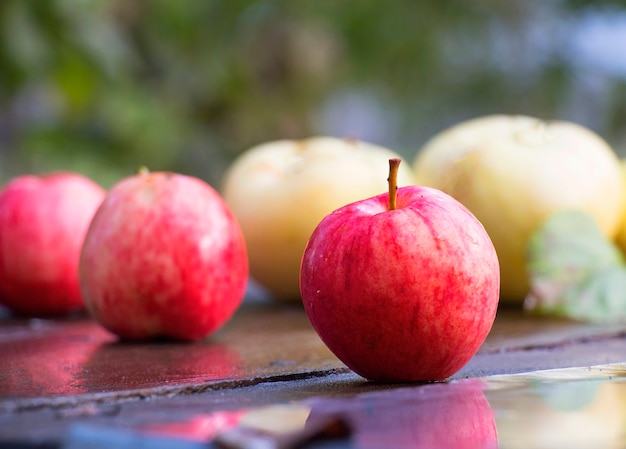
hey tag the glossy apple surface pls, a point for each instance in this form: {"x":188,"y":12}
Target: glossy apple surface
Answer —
{"x":43,"y":221}
{"x":512,"y":172}
{"x":279,"y":191}
{"x":407,"y":294}
{"x":164,"y":256}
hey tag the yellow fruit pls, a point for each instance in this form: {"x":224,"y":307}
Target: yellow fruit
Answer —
{"x":512,"y":172}
{"x":620,"y":239}
{"x":279,"y":191}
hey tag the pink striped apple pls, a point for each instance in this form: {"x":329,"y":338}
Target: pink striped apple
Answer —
{"x":401,"y":286}
{"x":43,"y":221}
{"x":164,"y":257}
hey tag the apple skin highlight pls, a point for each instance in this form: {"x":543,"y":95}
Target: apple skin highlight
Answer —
{"x":401,"y":295}
{"x":164,"y":257}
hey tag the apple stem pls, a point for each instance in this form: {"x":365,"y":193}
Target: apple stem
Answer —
{"x":394,"y":164}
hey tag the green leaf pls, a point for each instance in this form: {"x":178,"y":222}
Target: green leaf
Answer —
{"x":600,"y":298}
{"x":575,"y":271}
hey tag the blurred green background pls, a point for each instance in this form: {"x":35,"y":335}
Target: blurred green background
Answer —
{"x":102,"y":87}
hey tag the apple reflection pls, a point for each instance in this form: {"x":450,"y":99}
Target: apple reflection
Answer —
{"x":201,"y":427}
{"x":137,"y":365}
{"x":448,"y":415}
{"x":44,"y":358}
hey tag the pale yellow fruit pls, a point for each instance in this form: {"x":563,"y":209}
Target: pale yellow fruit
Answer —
{"x":512,"y":172}
{"x":620,"y":239}
{"x":279,"y":191}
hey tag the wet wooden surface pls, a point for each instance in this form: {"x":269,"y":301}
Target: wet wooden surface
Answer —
{"x":56,"y":372}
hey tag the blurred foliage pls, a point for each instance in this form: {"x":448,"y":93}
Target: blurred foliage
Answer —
{"x":103,"y":87}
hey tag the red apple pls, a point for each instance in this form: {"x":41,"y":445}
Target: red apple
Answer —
{"x":401,"y":288}
{"x":164,"y":257}
{"x":43,"y":221}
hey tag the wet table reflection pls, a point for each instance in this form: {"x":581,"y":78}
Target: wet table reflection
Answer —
{"x":570,"y":408}
{"x":48,"y":359}
{"x":68,"y":383}
{"x":555,"y":409}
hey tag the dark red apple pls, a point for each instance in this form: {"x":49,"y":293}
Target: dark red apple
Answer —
{"x":401,"y":286}
{"x":43,"y":221}
{"x":164,"y":257}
